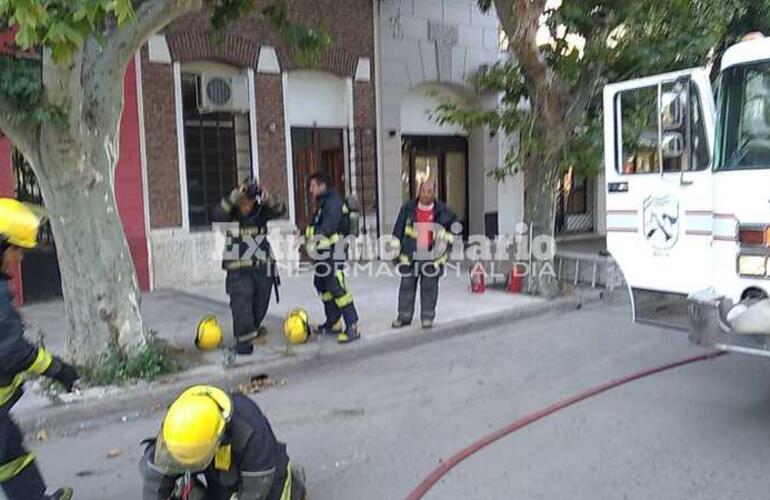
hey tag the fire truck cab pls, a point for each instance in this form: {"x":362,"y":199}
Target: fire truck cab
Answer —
{"x":688,"y":197}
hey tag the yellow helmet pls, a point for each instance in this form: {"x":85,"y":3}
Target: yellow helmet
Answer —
{"x":20,"y":222}
{"x":298,"y":311}
{"x":192,"y":430}
{"x":296,"y":327}
{"x":209,"y":335}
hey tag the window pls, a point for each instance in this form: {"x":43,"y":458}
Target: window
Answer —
{"x":679,"y":124}
{"x":743,"y":135}
{"x":217,"y":154}
{"x":638,"y":124}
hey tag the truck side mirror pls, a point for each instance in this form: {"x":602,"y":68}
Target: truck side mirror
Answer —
{"x":673,"y":105}
{"x":672,"y":145}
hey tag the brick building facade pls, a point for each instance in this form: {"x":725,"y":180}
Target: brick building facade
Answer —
{"x":297,"y":120}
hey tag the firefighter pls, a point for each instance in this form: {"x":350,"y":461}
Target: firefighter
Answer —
{"x":248,"y":260}
{"x":326,"y":248}
{"x":225,"y":440}
{"x":423,"y":235}
{"x":19,"y":475}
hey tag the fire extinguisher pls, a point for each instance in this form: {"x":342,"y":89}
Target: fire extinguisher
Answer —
{"x":477,"y":278}
{"x":515,"y":279}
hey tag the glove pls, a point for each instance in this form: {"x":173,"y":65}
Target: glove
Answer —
{"x":63,"y":373}
{"x":235,"y":194}
{"x":68,"y":376}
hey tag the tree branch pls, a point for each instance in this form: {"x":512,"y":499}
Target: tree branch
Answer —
{"x":520,"y":19}
{"x":591,"y":72}
{"x":548,"y":94}
{"x":150,"y":17}
{"x":23,"y":134}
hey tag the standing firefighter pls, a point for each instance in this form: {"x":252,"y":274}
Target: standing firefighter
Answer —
{"x":326,"y":247}
{"x":19,"y":475}
{"x":423,"y":234}
{"x":248,"y":260}
{"x":225,"y":440}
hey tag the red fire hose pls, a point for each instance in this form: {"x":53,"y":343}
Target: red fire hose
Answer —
{"x":456,"y":459}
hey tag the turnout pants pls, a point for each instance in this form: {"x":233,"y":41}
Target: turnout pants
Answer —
{"x":250,"y":290}
{"x":19,"y":475}
{"x":427,"y":274}
{"x":329,"y":282}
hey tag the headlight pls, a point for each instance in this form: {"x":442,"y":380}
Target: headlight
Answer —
{"x":752,"y":265}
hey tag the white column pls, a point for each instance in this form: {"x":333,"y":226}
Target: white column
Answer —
{"x":253,"y":124}
{"x":180,"y":146}
{"x":351,"y":135}
{"x":289,"y":156}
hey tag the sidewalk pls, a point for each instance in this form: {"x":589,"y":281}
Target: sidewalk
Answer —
{"x":174,"y":315}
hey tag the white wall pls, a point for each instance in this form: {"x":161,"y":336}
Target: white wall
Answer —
{"x":316,"y":99}
{"x":408,"y":59}
{"x":417,"y":106}
{"x":510,"y":193}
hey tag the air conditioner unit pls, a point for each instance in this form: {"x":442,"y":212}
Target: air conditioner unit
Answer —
{"x":223,"y":93}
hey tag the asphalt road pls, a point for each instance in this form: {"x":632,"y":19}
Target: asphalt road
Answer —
{"x":374,"y":428}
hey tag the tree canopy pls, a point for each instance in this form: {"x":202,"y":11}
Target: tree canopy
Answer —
{"x":591,"y":43}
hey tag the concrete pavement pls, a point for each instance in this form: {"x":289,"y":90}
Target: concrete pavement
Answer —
{"x":173,"y":315}
{"x":373,"y":428}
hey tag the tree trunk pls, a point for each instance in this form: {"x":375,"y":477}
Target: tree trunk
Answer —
{"x":540,"y":185}
{"x":100,"y":287}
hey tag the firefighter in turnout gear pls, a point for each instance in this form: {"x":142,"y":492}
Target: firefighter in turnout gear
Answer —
{"x":19,"y":476}
{"x":423,"y":235}
{"x":248,"y":260}
{"x":326,"y":247}
{"x":225,"y":440}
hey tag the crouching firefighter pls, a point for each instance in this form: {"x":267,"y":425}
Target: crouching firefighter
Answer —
{"x":325,"y":245}
{"x":218,"y":446}
{"x":19,"y":475}
{"x":248,"y":260}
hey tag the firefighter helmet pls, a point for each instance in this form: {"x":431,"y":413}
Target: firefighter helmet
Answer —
{"x":209,"y":334}
{"x":192,"y":429}
{"x":20,"y":223}
{"x":296,"y":326}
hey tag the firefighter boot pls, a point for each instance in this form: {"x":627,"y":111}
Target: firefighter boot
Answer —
{"x":61,"y":494}
{"x":350,"y":335}
{"x":26,"y":485}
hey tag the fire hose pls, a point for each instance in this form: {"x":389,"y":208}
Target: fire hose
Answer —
{"x":447,"y":465}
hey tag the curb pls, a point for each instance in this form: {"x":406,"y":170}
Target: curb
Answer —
{"x":145,"y":400}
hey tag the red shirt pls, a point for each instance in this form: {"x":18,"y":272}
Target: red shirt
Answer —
{"x":424,"y":235}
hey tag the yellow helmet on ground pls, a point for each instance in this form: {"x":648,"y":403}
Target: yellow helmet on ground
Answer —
{"x":20,"y":222}
{"x":209,"y":335}
{"x":192,"y":430}
{"x":296,"y":326}
{"x":298,"y":311}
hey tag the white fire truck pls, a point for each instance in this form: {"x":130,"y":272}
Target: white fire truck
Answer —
{"x":688,"y":197}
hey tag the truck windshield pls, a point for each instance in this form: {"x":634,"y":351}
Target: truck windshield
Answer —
{"x":743,"y":130}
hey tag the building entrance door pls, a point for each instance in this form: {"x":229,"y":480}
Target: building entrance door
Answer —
{"x":443,"y":160}
{"x":315,"y":150}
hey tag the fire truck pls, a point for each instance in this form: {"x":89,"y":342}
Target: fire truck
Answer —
{"x":688,"y":197}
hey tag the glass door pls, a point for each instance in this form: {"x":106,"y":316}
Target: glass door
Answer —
{"x":443,"y":160}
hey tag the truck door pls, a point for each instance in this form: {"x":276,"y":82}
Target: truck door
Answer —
{"x":658,"y":136}
{"x":742,"y":181}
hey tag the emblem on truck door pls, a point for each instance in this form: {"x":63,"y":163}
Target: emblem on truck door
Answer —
{"x":661,"y":221}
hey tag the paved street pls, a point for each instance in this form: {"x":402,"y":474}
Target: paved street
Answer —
{"x":374,"y":428}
